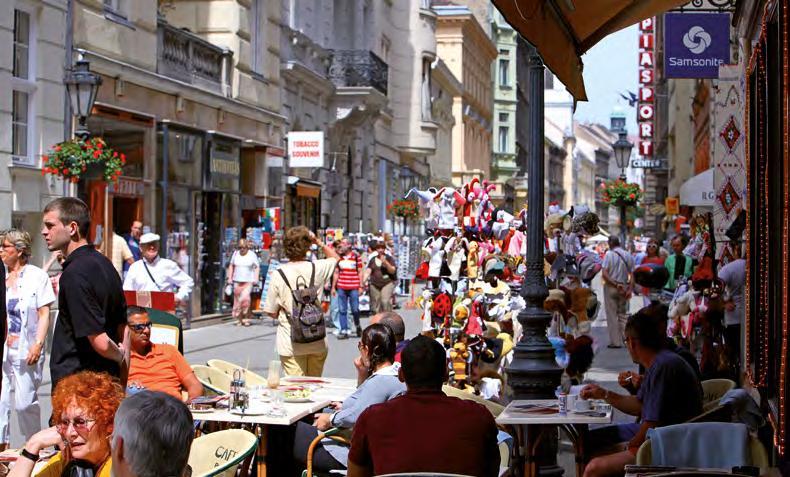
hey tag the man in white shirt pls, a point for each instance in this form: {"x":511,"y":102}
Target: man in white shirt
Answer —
{"x":618,"y":280}
{"x":734,"y":277}
{"x":154,"y":273}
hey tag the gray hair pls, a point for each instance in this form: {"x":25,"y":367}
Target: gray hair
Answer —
{"x":157,"y":431}
{"x":20,"y":240}
{"x":395,"y":322}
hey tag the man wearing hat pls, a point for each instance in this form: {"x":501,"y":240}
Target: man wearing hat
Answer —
{"x":154,"y":273}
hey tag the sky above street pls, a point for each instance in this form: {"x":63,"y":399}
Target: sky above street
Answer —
{"x":610,"y":68}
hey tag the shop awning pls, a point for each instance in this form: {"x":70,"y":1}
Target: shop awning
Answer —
{"x":698,"y":191}
{"x":563,"y":30}
{"x":305,"y":187}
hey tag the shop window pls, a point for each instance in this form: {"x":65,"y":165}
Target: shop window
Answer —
{"x":185,"y":154}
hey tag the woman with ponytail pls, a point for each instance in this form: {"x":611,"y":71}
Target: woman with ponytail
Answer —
{"x":378,"y":383}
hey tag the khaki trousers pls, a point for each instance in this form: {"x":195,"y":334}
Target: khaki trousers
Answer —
{"x":381,"y":298}
{"x":304,"y":365}
{"x":616,"y":308}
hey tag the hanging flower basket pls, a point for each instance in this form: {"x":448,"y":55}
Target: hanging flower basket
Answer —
{"x":70,"y":159}
{"x":620,"y":193}
{"x":406,"y":209}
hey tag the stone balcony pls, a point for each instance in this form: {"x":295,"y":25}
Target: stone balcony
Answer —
{"x":184,"y":56}
{"x":358,"y":68}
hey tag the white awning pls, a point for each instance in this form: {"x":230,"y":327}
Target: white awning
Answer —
{"x":698,"y":191}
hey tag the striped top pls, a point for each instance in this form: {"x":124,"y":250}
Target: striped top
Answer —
{"x":348,"y":269}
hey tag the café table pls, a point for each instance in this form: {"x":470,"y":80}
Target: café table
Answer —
{"x":325,"y":391}
{"x":532,"y":418}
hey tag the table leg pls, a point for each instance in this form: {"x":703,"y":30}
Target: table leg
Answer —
{"x":260,"y":457}
{"x":541,"y":443}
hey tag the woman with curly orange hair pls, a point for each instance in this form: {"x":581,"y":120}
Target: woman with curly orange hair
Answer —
{"x":83,"y":407}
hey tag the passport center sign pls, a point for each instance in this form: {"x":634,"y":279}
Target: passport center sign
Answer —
{"x":696,"y":44}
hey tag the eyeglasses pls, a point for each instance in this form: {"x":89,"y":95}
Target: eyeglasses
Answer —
{"x":140,"y":327}
{"x":80,"y":424}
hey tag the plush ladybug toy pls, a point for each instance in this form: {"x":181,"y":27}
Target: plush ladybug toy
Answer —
{"x":442,"y":307}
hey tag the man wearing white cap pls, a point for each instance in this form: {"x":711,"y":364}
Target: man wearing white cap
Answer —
{"x":154,"y":273}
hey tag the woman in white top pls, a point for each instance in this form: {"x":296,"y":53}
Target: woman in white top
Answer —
{"x":28,"y":297}
{"x":243,"y":272}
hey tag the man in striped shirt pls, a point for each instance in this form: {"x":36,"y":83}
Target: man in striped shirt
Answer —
{"x":347,"y":285}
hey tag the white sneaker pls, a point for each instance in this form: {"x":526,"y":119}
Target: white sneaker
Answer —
{"x":336,"y":332}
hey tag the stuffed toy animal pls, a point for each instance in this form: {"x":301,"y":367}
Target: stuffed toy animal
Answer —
{"x":450,"y":200}
{"x":426,"y":303}
{"x":428,"y":207}
{"x":461,"y":312}
{"x":458,"y":356}
{"x":472,"y":260}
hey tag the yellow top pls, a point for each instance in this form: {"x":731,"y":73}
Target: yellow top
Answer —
{"x":55,"y":466}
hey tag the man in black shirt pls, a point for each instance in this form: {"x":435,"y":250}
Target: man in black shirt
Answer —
{"x":92,"y":308}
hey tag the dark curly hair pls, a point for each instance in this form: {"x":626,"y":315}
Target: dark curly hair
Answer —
{"x":297,"y":243}
{"x":380,"y":342}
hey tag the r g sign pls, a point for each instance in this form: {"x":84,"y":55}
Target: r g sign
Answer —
{"x":696,"y":44}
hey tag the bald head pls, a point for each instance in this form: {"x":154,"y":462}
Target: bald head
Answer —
{"x":394,"y":321}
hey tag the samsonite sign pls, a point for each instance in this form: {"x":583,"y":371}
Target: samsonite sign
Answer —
{"x":306,"y":149}
{"x":696,"y":44}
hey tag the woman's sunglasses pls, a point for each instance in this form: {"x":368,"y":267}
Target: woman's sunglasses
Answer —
{"x":140,"y":327}
{"x":80,"y":424}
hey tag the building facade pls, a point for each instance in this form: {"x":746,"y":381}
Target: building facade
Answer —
{"x":462,"y":43}
{"x":503,"y":74}
{"x":191,"y":95}
{"x":444,"y":88}
{"x":31,"y":111}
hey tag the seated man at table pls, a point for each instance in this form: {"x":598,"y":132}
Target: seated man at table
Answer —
{"x":157,"y":367}
{"x":670,"y":393}
{"x":402,"y":434}
{"x":631,"y":381}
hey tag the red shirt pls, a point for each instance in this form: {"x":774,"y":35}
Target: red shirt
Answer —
{"x":348,"y":269}
{"x":407,"y":433}
{"x":659,"y":260}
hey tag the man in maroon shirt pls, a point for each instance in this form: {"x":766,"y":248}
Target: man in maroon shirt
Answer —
{"x":401,"y":435}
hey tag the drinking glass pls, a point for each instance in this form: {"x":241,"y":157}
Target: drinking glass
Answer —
{"x":273,"y":378}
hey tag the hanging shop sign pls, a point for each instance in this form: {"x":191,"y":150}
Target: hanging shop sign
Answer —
{"x":306,"y":148}
{"x":648,"y":163}
{"x":646,"y":109}
{"x":127,"y":187}
{"x":696,"y":44}
{"x":672,"y":205}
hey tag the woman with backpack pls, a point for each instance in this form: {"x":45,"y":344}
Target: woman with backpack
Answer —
{"x":293,"y":300}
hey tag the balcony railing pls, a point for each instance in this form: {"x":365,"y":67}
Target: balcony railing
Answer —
{"x":352,"y":68}
{"x":187,"y":57}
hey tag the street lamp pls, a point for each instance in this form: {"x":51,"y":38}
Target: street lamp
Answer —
{"x":82,"y":86}
{"x":622,"y":155}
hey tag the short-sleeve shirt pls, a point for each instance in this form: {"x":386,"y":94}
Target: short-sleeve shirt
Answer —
{"x":244,"y":267}
{"x":57,"y":464}
{"x":618,"y":264}
{"x":734,"y":277}
{"x":670,"y":392}
{"x":120,"y":253}
{"x":402,"y":435}
{"x":162,"y":369}
{"x":348,"y":269}
{"x":279,"y":300}
{"x":90,"y":302}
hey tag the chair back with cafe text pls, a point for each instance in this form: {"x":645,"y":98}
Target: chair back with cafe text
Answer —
{"x":166,"y":329}
{"x":757,"y":453}
{"x":252,"y":379}
{"x":713,"y":390}
{"x":213,"y":380}
{"x":220,"y":453}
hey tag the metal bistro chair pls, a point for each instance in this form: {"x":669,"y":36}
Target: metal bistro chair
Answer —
{"x":214,"y":381}
{"x":166,"y":329}
{"x":253,"y":379}
{"x":219,"y":454}
{"x":336,"y":434}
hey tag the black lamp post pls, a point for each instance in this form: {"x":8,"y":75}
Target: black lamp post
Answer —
{"x":622,"y":155}
{"x":82,"y":86}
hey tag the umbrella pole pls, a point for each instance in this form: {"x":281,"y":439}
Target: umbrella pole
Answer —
{"x":534,"y":374}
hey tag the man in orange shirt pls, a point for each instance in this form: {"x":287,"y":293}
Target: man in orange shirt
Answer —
{"x":157,"y":367}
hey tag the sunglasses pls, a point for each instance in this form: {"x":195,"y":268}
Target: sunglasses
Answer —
{"x":80,"y":424}
{"x":140,"y":327}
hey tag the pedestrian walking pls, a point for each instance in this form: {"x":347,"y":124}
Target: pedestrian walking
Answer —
{"x":91,"y":305}
{"x":734,"y":277}
{"x":298,"y":359}
{"x":28,"y":297}
{"x":618,"y":279}
{"x":381,"y":274}
{"x":347,"y":286}
{"x":243,"y":272}
{"x":154,"y":273}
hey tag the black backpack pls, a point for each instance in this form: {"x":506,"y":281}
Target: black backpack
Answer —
{"x":306,"y":316}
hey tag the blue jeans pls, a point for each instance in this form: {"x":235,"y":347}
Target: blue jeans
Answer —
{"x":334,"y":316}
{"x":344,"y":297}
